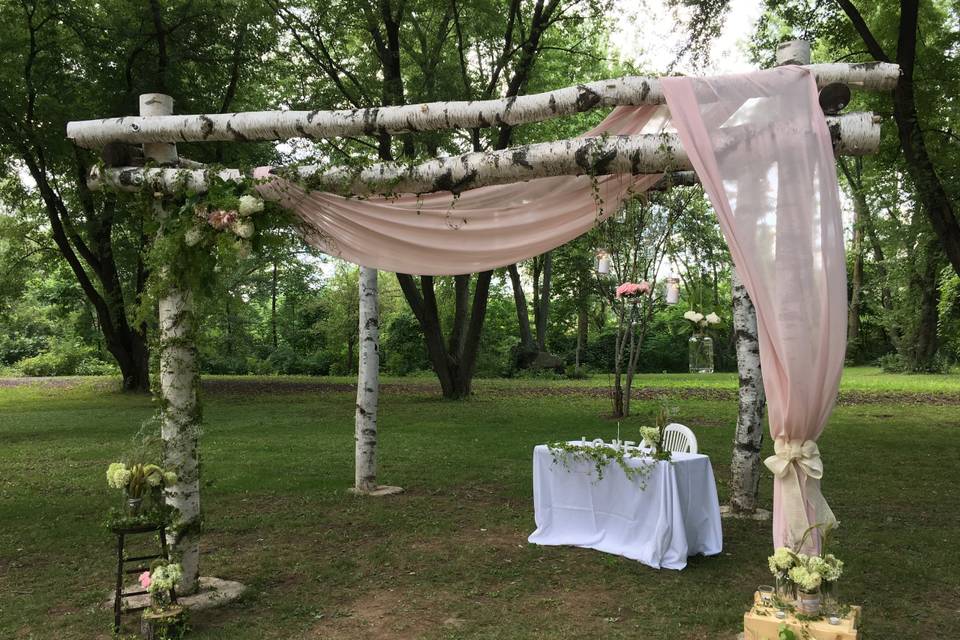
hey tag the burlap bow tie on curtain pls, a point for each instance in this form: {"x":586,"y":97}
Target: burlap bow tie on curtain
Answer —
{"x":792,"y":458}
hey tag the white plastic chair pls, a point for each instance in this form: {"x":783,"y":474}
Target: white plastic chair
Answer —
{"x":679,"y":439}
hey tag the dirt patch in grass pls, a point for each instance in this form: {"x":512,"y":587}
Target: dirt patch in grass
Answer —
{"x":383,"y":614}
{"x":50,"y":383}
{"x":280,"y":386}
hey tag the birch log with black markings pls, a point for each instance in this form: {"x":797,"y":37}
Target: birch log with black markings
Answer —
{"x":368,"y":385}
{"x":281,"y":125}
{"x":853,"y":134}
{"x":748,"y":436}
{"x":179,"y":381}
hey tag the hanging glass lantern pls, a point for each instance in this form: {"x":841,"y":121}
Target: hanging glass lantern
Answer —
{"x":603,"y":262}
{"x":672,"y":289}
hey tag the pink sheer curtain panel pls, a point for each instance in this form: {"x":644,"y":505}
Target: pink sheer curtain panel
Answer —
{"x":483,"y":229}
{"x":762,"y":150}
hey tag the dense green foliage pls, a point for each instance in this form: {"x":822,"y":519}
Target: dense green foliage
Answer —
{"x":278,"y":457}
{"x":76,"y":266}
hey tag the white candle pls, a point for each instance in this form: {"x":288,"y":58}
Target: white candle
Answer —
{"x":603,"y":264}
{"x":673,"y":290}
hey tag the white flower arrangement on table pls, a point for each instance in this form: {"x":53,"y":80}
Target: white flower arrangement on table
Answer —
{"x":702,"y":322}
{"x":651,"y":435}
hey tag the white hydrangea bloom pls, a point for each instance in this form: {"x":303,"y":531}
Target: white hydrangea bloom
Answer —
{"x":243,"y":229}
{"x":193,"y":236}
{"x":781,"y":560}
{"x":117,"y":475}
{"x":833,"y":568}
{"x":250,"y":205}
{"x":807,"y":580}
{"x":650,"y":434}
{"x":713,"y":318}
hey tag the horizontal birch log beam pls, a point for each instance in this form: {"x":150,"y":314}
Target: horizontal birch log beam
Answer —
{"x":281,"y":125}
{"x":853,"y":134}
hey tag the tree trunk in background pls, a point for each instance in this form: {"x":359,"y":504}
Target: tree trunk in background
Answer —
{"x":91,"y":255}
{"x":541,"y":311}
{"x":864,"y":223}
{"x":748,"y":437}
{"x":179,"y":382}
{"x":368,"y":384}
{"x":351,"y":341}
{"x":856,"y":285}
{"x":583,"y":326}
{"x":273,"y":306}
{"x":924,"y":280}
{"x":930,"y":191}
{"x":454,"y":363}
{"x":527,"y":344}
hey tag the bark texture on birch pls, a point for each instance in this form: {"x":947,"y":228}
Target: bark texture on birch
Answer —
{"x":853,"y":134}
{"x":748,"y":437}
{"x":179,"y":381}
{"x":385,"y":120}
{"x":368,"y":384}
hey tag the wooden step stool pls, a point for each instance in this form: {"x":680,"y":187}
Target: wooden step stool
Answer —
{"x":122,"y":570}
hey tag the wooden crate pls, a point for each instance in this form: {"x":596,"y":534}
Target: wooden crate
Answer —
{"x":762,"y":623}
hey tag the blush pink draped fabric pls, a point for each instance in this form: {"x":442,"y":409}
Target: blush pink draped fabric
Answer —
{"x":762,"y":150}
{"x":483,"y":229}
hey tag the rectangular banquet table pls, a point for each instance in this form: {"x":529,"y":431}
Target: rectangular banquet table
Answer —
{"x":677,"y":515}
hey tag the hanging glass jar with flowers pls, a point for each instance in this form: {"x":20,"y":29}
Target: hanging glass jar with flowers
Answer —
{"x":701,"y":344}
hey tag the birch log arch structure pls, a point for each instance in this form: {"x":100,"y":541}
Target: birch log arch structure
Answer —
{"x":746,"y":136}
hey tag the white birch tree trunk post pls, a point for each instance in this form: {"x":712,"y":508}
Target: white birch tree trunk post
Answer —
{"x":179,"y":379}
{"x":748,"y":438}
{"x":368,"y":389}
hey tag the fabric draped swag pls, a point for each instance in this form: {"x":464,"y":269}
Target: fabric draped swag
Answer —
{"x":482,"y":229}
{"x":762,"y":150}
{"x":773,"y":185}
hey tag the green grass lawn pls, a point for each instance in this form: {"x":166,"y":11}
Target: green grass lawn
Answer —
{"x":449,"y":558}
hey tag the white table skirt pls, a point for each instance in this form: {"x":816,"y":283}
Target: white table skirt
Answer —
{"x":676,"y":516}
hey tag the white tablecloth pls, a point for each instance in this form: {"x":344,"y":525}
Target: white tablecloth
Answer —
{"x":676,"y":516}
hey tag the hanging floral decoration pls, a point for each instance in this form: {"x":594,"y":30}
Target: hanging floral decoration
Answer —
{"x":632,"y":291}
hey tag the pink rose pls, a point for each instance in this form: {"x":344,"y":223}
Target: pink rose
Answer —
{"x":631,"y":290}
{"x":221,"y":219}
{"x":145,"y":579}
{"x":626,"y":289}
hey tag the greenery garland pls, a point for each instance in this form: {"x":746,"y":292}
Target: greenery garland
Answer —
{"x":567,"y":454}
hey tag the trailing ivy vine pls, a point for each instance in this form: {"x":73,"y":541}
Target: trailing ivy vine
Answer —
{"x":636,"y":464}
